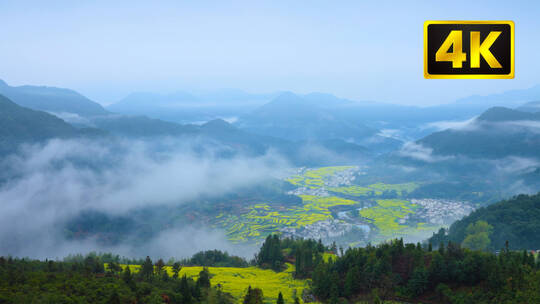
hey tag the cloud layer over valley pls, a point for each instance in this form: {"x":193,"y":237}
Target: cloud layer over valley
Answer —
{"x":50,"y":184}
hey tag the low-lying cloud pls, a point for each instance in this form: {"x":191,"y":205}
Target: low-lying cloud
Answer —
{"x":465,"y":125}
{"x":51,"y":183}
{"x":421,"y":152}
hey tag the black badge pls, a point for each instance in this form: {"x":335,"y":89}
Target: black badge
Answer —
{"x":468,"y":49}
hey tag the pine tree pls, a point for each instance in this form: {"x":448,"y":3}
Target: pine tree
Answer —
{"x":418,"y":282}
{"x":147,"y":268}
{"x":280,"y":299}
{"x":114,"y":298}
{"x":185,"y":290}
{"x":126,"y":275}
{"x":253,"y":296}
{"x":441,"y":248}
{"x":247,"y":297}
{"x":176,"y":269}
{"x":333,"y":248}
{"x":165,"y":276}
{"x":204,"y":278}
{"x":159,"y":266}
{"x":349,"y":283}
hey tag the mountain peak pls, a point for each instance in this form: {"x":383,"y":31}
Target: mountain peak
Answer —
{"x":505,"y":114}
{"x":531,"y":107}
{"x":218,"y":125}
{"x":51,"y":99}
{"x":287,"y":96}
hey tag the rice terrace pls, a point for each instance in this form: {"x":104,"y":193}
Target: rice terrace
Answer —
{"x":335,"y":208}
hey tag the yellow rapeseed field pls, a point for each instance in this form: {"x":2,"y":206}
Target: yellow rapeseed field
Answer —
{"x":235,"y":281}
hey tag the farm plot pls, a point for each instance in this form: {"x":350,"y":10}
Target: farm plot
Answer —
{"x":235,"y":280}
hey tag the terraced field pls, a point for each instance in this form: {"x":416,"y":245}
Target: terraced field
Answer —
{"x":315,"y":178}
{"x":262,"y":219}
{"x":389,"y":217}
{"x":375,"y":189}
{"x":236,"y":280}
{"x":330,"y":196}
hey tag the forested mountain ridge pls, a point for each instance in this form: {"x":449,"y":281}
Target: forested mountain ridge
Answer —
{"x":188,"y":107}
{"x":312,"y":118}
{"x":516,"y":221}
{"x":497,"y":114}
{"x":294,"y":117}
{"x":51,"y":99}
{"x":499,"y":132}
{"x":21,"y":125}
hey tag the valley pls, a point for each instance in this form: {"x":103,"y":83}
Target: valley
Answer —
{"x":268,"y":152}
{"x":336,"y":208}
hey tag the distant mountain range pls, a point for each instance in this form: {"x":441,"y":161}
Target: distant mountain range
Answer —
{"x":22,"y":125}
{"x":300,"y":118}
{"x":184,"y":107}
{"x":532,"y":107}
{"x":498,"y":132}
{"x":287,"y":121}
{"x":397,"y":121}
{"x":50,"y":99}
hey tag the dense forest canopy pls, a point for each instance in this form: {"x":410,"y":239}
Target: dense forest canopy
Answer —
{"x":390,"y":271}
{"x":516,"y":221}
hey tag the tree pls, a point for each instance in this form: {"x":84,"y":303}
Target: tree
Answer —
{"x":280,"y":299}
{"x":478,"y":236}
{"x":443,"y":293}
{"x":165,"y":276}
{"x":334,"y":287}
{"x":437,"y":269}
{"x":375,"y":296}
{"x":114,"y":298}
{"x":333,"y":248}
{"x":270,"y":254}
{"x":126,"y":275}
{"x":350,"y":282}
{"x":176,"y":269}
{"x":322,"y":281}
{"x":147,"y":268}
{"x":418,"y":282}
{"x":185,"y":290}
{"x":114,"y":267}
{"x":253,"y":296}
{"x":159,"y":266}
{"x":204,"y":278}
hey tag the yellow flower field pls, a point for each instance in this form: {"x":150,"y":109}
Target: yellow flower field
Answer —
{"x":236,"y":280}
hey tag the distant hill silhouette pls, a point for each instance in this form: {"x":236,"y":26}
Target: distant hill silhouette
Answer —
{"x":496,"y":133}
{"x":51,"y":99}
{"x":300,"y":118}
{"x":22,"y":125}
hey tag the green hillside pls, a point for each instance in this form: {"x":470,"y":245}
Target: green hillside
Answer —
{"x":516,"y":220}
{"x":18,"y":125}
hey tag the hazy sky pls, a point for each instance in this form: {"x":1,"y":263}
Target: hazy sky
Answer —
{"x":358,"y":49}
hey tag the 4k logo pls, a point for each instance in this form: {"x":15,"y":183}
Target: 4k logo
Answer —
{"x":468,"y":49}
